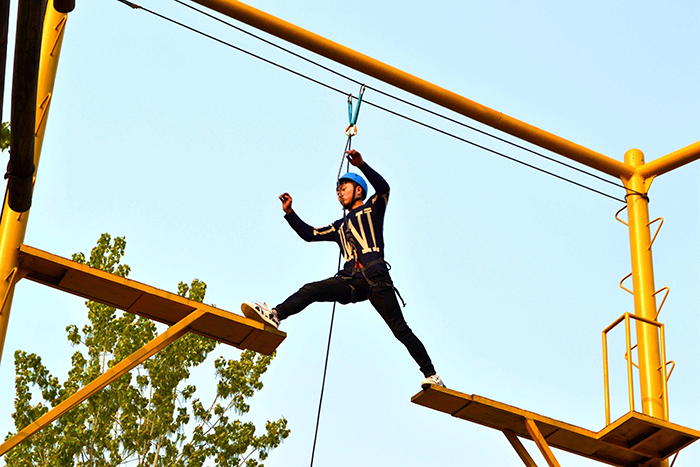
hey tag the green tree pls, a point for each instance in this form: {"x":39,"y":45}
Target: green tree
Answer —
{"x":4,"y":136}
{"x":150,"y":416}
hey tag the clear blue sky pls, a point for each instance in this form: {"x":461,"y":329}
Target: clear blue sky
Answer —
{"x":182,"y":145}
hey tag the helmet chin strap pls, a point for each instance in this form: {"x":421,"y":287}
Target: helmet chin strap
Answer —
{"x":354,"y":196}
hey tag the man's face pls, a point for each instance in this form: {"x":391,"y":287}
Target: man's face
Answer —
{"x":345,"y":193}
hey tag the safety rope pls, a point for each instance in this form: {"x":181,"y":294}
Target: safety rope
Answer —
{"x":325,"y":370}
{"x":350,"y":131}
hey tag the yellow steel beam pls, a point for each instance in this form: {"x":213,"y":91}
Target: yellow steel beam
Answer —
{"x":144,"y":353}
{"x":13,"y":225}
{"x":648,"y":342}
{"x":671,"y":161}
{"x":519,"y":448}
{"x":402,"y":80}
{"x":541,"y":443}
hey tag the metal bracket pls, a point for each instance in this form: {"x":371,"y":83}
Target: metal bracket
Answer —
{"x":60,"y":27}
{"x":623,"y":280}
{"x":44,"y":107}
{"x":662,"y":301}
{"x":618,"y":213}
{"x":661,"y":223}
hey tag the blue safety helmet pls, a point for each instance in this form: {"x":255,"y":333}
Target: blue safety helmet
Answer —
{"x":353,"y":177}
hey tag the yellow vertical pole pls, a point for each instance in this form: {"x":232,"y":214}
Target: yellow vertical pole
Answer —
{"x":13,"y":225}
{"x":648,"y":347}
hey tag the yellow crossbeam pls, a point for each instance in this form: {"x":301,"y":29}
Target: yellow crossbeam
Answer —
{"x":671,"y":161}
{"x":419,"y":87}
{"x":181,"y":328}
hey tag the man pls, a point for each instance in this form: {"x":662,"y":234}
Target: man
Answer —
{"x":365,"y":275}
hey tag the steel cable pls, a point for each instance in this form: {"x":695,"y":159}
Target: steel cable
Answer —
{"x":403,"y":101}
{"x":398,"y":114}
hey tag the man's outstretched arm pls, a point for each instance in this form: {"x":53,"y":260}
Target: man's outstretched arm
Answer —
{"x":304,"y":230}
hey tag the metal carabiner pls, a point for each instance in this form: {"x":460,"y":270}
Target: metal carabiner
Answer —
{"x":353,"y":119}
{"x":352,"y":115}
{"x":350,"y":108}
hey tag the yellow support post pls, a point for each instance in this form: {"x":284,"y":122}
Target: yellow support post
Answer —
{"x":173,"y":333}
{"x":541,"y":443}
{"x":13,"y":225}
{"x":519,"y":448}
{"x":648,"y":347}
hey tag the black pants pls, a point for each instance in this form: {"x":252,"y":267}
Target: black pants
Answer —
{"x":381,"y":295}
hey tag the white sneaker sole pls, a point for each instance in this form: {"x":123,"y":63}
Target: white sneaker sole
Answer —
{"x":250,"y":310}
{"x":426,"y":384}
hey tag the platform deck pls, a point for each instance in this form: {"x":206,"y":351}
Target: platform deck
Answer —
{"x":144,"y":300}
{"x":631,"y":441}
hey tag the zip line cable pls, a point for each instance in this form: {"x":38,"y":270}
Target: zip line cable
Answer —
{"x":216,"y":39}
{"x":403,"y":101}
{"x":138,"y":7}
{"x":493,"y":151}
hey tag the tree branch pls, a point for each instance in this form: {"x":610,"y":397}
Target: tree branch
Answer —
{"x":242,"y":461}
{"x":155,"y":458}
{"x":228,"y":407}
{"x":204,"y":419}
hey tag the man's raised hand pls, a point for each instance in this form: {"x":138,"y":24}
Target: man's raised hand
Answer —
{"x":355,"y":158}
{"x":286,"y":202}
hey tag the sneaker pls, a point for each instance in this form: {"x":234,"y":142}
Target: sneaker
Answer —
{"x":432,"y":380}
{"x":261,"y":313}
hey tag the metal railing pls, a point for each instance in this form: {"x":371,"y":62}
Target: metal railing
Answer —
{"x":627,"y":317}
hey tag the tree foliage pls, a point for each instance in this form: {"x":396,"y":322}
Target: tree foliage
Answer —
{"x":4,"y":136}
{"x":150,"y":416}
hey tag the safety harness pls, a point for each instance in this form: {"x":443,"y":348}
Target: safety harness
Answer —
{"x":383,"y":283}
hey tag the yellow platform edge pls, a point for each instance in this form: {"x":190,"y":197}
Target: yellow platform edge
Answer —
{"x":144,"y":300}
{"x":632,"y":440}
